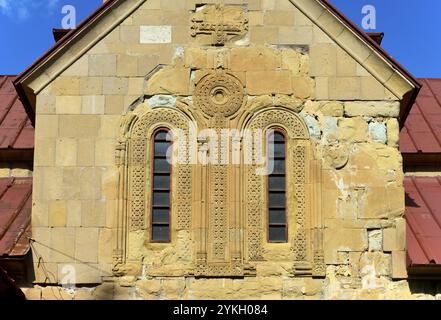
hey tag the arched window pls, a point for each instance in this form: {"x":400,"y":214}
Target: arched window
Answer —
{"x":161,"y":185}
{"x":277,"y":202}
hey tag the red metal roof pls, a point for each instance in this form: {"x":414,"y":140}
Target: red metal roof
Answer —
{"x":422,"y":129}
{"x":423,"y":216}
{"x":15,"y":216}
{"x":16,"y":130}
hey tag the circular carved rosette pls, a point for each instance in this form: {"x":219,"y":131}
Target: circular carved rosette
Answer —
{"x":219,"y":94}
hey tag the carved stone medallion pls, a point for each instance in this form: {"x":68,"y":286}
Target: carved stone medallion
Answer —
{"x":219,"y":94}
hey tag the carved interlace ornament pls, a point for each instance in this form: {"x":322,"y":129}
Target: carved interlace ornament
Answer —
{"x":219,"y":94}
{"x":222,"y":22}
{"x":255,"y":183}
{"x":140,"y":167}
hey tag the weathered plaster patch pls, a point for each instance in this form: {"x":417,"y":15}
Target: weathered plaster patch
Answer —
{"x":312,"y":124}
{"x":155,"y":34}
{"x":378,"y":132}
{"x":162,"y":100}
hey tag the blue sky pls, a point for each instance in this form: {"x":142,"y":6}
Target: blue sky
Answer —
{"x":412,"y":30}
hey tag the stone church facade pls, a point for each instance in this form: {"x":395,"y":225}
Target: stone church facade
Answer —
{"x":215,"y":80}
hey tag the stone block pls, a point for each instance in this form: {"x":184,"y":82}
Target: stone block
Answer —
{"x":399,"y":269}
{"x":291,"y":60}
{"x":73,"y":213}
{"x":127,"y":65}
{"x":264,"y":35}
{"x":196,"y":58}
{"x":344,"y":88}
{"x":66,"y":86}
{"x":299,"y":35}
{"x":279,"y":18}
{"x":78,"y":68}
{"x":62,"y":245}
{"x":372,"y":109}
{"x":321,"y":88}
{"x":114,"y":105}
{"x":371,"y":89}
{"x":136,"y":86}
{"x":332,"y":109}
{"x":66,"y":152}
{"x":303,"y":87}
{"x":110,"y":183}
{"x":102,"y":65}
{"x":106,"y":243}
{"x":40,"y":213}
{"x":347,"y":240}
{"x":79,"y":126}
{"x":91,"y":86}
{"x":105,"y":152}
{"x":109,"y":126}
{"x":169,"y":81}
{"x":129,"y":34}
{"x":146,"y":64}
{"x":389,"y":239}
{"x":255,"y":18}
{"x":57,"y":213}
{"x":393,"y":132}
{"x":47,"y":184}
{"x":323,"y":60}
{"x":68,"y":104}
{"x":86,"y":245}
{"x":173,"y":5}
{"x":86,"y":152}
{"x":269,"y":82}
{"x":353,"y":129}
{"x":44,"y":152}
{"x":92,"y":104}
{"x":47,"y":126}
{"x":45,"y":104}
{"x":91,"y":183}
{"x":346,"y":65}
{"x":400,"y":225}
{"x":254,"y":59}
{"x":93,"y":213}
{"x":115,"y":86}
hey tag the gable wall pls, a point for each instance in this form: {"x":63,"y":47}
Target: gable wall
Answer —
{"x":350,"y":115}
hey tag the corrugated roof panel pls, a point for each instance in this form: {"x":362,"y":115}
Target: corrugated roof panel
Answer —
{"x":16,"y":131}
{"x":423,"y":213}
{"x":423,"y":125}
{"x":15,"y":215}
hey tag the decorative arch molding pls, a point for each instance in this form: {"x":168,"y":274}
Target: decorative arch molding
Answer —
{"x":304,"y":193}
{"x":134,"y":164}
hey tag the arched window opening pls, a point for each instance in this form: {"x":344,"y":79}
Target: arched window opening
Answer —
{"x":161,"y":187}
{"x":277,"y":201}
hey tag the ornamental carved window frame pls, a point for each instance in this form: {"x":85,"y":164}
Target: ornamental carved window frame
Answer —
{"x":133,"y":159}
{"x":305,"y":240}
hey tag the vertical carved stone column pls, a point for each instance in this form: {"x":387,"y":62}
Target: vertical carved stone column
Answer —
{"x":119,"y":252}
{"x":319,"y":267}
{"x":236,"y":201}
{"x":200,"y":200}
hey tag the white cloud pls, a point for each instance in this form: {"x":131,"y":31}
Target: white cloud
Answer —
{"x":22,"y":9}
